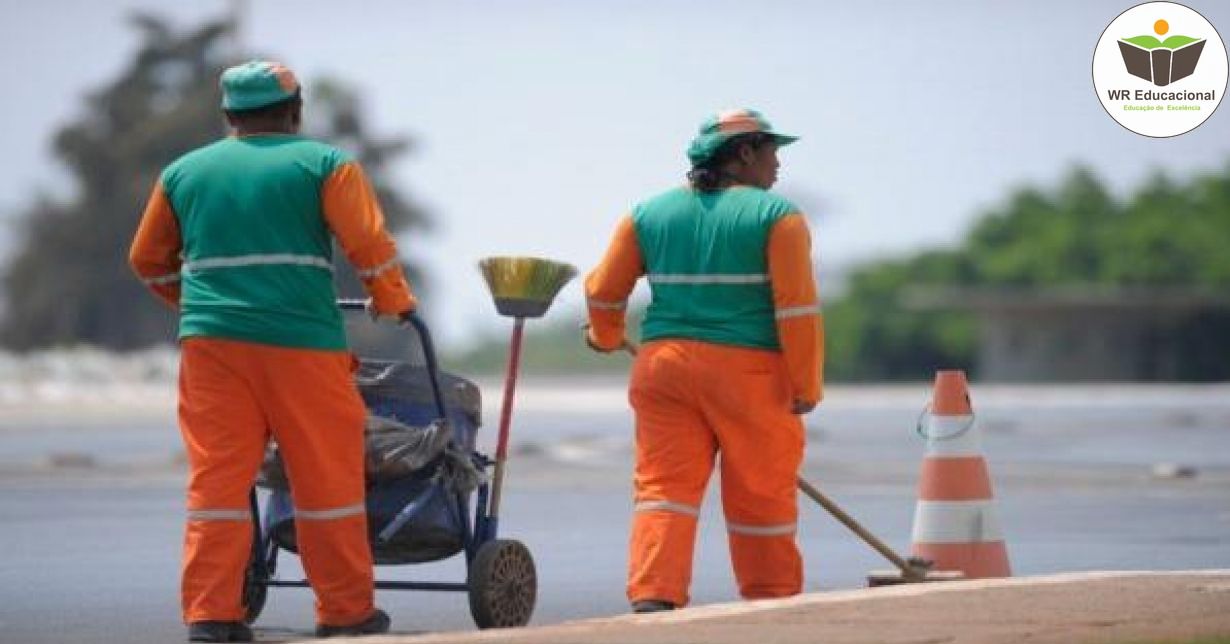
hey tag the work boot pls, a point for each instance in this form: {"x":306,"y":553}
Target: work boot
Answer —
{"x":376,"y":623}
{"x":219,"y":632}
{"x":651,"y":606}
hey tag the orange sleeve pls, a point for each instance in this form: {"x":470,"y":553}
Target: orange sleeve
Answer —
{"x":353,"y":214}
{"x":800,"y":324}
{"x":608,"y":286}
{"x":155,"y":252}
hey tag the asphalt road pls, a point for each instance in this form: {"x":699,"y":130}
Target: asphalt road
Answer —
{"x":92,"y":557}
{"x":89,"y":548}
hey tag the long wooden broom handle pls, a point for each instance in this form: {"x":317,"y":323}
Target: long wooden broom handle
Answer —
{"x":849,"y":522}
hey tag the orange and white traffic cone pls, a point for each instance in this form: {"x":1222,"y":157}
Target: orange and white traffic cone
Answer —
{"x":955,"y":522}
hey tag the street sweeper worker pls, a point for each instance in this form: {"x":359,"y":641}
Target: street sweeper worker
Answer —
{"x":237,"y":236}
{"x":731,"y":357}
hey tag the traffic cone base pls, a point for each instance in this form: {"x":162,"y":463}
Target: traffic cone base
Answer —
{"x":976,"y":560}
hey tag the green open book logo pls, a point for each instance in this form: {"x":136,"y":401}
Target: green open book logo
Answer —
{"x":1161,"y":62}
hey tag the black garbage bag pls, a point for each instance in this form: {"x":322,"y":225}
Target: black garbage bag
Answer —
{"x":407,"y":468}
{"x":392,"y":450}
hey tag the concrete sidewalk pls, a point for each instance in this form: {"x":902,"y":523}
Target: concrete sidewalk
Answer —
{"x":1118,"y":607}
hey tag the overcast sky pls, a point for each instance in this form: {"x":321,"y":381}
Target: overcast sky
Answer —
{"x":538,"y":123}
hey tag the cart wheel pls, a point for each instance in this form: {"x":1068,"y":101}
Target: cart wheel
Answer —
{"x":503,"y":584}
{"x":254,"y":595}
{"x":254,"y":589}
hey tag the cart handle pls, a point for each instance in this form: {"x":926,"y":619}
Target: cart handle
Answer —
{"x":429,"y":349}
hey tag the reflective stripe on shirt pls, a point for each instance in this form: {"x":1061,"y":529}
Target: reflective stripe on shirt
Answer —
{"x":676,"y":278}
{"x":606,"y":306}
{"x":372,"y":272}
{"x":797,"y":311}
{"x":258,"y":260}
{"x":161,"y":280}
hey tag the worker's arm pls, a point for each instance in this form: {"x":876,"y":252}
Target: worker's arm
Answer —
{"x":354,"y":216}
{"x":608,"y":286}
{"x":155,"y":252}
{"x":800,"y":325}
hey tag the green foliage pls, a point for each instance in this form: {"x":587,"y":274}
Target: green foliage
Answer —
{"x":1166,"y":235}
{"x":870,"y":335}
{"x":550,"y":347}
{"x":1039,"y":239}
{"x":67,"y":280}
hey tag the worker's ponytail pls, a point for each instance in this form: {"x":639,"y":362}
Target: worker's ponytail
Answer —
{"x":710,"y":175}
{"x":704,"y":178}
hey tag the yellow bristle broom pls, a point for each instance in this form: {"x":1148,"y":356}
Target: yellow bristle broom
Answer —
{"x":522,"y":287}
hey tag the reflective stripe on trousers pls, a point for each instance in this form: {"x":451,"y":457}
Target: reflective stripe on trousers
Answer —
{"x":666,"y":506}
{"x":219,"y":515}
{"x":331,"y":513}
{"x":762,"y":530}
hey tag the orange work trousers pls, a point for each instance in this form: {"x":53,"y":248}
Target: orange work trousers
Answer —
{"x":232,"y":397}
{"x":694,"y":402}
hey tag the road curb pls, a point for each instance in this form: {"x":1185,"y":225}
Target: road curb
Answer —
{"x":1069,"y":607}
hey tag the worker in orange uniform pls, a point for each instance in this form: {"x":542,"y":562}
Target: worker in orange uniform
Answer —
{"x":733,"y":344}
{"x":237,"y":237}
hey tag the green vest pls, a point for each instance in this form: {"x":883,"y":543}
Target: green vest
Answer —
{"x":258,"y":259}
{"x":705,"y":259}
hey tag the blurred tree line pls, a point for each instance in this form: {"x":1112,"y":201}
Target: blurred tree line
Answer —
{"x":1167,"y":234}
{"x":67,"y":281}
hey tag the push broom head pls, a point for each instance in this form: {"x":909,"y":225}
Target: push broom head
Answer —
{"x":523,"y":287}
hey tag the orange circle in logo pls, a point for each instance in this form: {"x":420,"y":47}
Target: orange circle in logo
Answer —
{"x":1161,"y":27}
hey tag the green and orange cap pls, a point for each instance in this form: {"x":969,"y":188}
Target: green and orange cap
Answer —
{"x":721,"y":127}
{"x":256,"y":84}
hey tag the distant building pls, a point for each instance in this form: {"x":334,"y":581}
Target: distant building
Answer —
{"x":1094,"y":335}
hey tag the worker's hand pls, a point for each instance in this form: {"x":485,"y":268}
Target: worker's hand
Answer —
{"x":623,"y":346}
{"x":402,"y":318}
{"x":801,"y":406}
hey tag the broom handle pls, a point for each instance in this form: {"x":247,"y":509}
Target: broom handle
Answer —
{"x":854,"y":526}
{"x":510,"y":386}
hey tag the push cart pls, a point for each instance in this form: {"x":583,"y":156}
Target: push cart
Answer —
{"x":419,"y":517}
